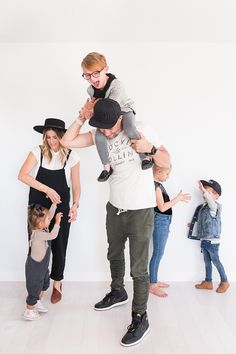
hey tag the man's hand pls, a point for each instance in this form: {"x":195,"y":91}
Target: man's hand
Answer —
{"x":162,"y":156}
{"x":141,"y":145}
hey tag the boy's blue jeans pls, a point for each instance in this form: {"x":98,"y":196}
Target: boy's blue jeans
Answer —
{"x":211,"y":255}
{"x":159,"y":237}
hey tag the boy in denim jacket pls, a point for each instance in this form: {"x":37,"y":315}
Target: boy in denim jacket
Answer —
{"x":206,"y":226}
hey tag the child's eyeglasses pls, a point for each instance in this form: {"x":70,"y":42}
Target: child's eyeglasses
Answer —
{"x":95,"y":74}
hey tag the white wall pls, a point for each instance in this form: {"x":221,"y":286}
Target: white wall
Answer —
{"x":185,"y":91}
{"x":117,"y":21}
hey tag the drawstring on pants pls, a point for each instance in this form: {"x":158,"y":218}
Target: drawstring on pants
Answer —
{"x":121,"y":211}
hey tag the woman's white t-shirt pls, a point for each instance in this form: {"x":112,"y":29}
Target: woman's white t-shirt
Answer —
{"x":55,"y":163}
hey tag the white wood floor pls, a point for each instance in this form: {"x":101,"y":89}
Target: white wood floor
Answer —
{"x":189,"y":321}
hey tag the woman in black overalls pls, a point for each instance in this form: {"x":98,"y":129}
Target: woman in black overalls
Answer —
{"x":50,"y":185}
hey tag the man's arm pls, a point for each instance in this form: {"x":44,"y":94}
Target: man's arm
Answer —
{"x":161,"y":156}
{"x":72,"y":137}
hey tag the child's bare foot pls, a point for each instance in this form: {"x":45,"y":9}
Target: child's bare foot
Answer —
{"x":162,"y":285}
{"x":156,"y":290}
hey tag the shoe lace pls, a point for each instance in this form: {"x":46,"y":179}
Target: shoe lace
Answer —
{"x":133,"y":326}
{"x":109,"y":296}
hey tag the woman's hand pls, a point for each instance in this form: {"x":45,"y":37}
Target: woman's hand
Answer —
{"x":73,"y":213}
{"x":53,"y":195}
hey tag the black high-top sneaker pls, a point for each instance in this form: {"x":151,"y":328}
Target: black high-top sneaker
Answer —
{"x":137,"y":330}
{"x":146,"y":164}
{"x":115,"y":297}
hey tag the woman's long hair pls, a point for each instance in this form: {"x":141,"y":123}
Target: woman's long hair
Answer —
{"x":46,"y":149}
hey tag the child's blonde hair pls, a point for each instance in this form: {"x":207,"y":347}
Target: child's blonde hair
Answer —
{"x":36,"y":214}
{"x":93,"y":59}
{"x":157,"y":168}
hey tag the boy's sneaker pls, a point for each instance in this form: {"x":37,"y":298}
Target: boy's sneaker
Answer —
{"x":31,"y":315}
{"x":205,"y":285}
{"x":114,"y":298}
{"x":104,"y":175}
{"x":223,"y":286}
{"x":137,"y":330}
{"x":146,"y":163}
{"x":40,"y":307}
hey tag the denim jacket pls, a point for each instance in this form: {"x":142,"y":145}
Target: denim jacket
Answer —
{"x":208,"y":227}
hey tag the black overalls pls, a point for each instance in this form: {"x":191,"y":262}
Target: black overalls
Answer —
{"x":37,"y":276}
{"x":55,"y":179}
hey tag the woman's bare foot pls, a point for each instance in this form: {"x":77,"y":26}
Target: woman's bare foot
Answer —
{"x":56,"y":292}
{"x":157,"y":291}
{"x":162,"y":285}
{"x":57,"y":285}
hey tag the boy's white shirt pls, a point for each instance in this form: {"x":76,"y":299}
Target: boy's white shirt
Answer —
{"x":131,"y":187}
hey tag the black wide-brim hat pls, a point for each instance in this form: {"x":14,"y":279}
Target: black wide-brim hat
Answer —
{"x":50,"y":123}
{"x":213,"y":184}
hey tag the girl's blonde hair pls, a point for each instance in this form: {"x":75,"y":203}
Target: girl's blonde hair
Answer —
{"x":93,"y":59}
{"x":46,"y":149}
{"x":157,"y":168}
{"x":36,"y":214}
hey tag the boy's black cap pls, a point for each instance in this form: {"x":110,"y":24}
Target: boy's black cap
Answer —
{"x":105,"y":114}
{"x":213,"y":184}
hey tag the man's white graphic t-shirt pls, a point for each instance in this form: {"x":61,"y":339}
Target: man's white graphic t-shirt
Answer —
{"x":130,"y":187}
